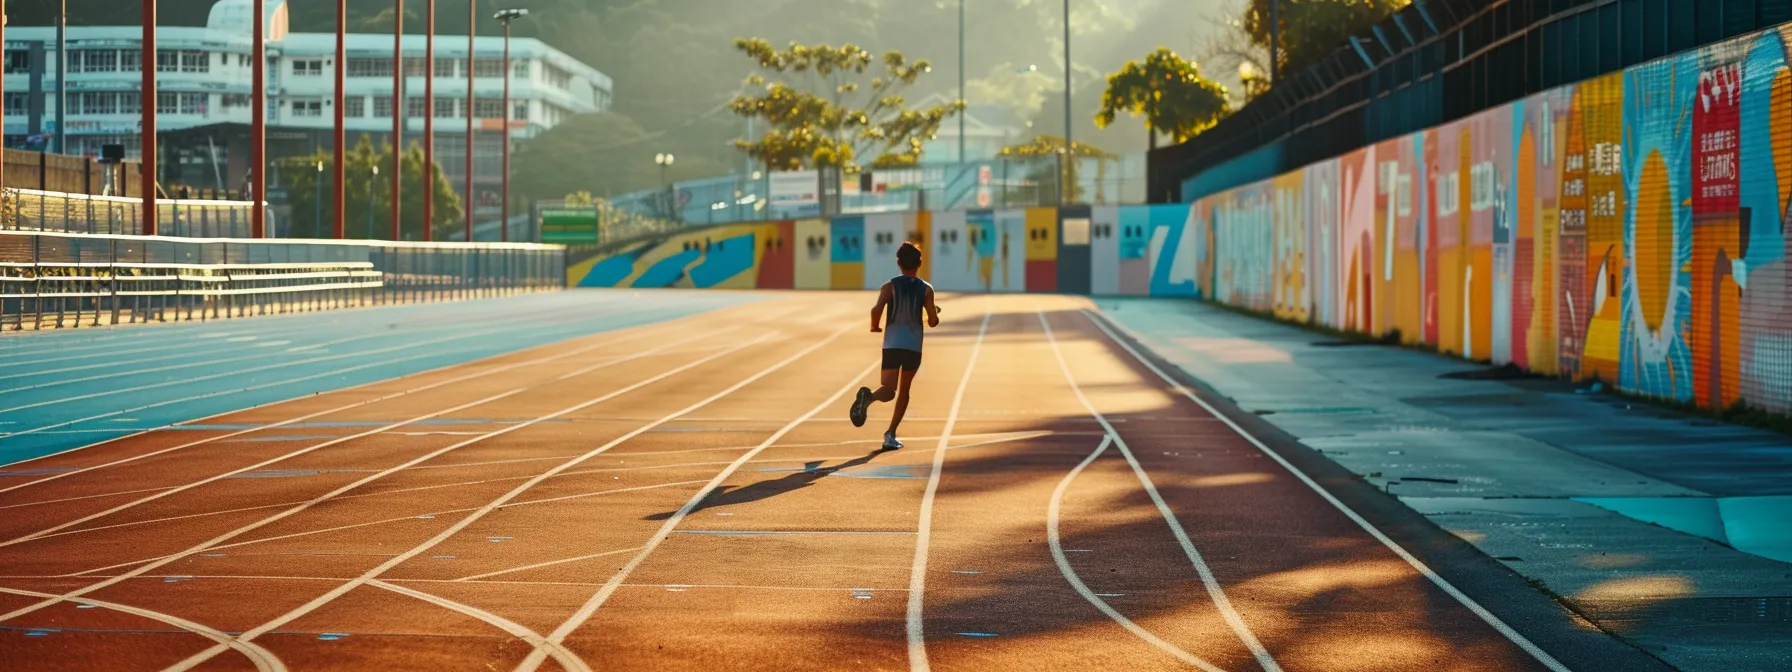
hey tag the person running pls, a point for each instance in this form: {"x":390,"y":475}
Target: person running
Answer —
{"x":904,"y":297}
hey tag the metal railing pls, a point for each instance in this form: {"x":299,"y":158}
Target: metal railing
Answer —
{"x":77,"y":280}
{"x":80,"y":213}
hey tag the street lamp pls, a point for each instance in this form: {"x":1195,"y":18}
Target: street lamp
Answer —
{"x":505,"y":16}
{"x":665,"y":162}
{"x":370,"y":183}
{"x":317,"y":200}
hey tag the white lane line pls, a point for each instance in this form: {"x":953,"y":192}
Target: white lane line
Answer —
{"x":1055,"y":541}
{"x":473,"y":517}
{"x":567,"y":659}
{"x":1511,"y":635}
{"x":325,"y":444}
{"x":476,"y":374}
{"x":917,"y":575}
{"x":227,"y":536}
{"x":264,"y":660}
{"x":1220,"y":601}
{"x":540,"y":565}
{"x":603,"y":594}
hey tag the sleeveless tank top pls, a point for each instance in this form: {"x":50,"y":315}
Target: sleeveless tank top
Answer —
{"x":902,"y":328}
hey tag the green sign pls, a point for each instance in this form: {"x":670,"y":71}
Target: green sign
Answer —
{"x":569,"y":226}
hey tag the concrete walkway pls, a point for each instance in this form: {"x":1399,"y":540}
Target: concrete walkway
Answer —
{"x":1670,"y":531}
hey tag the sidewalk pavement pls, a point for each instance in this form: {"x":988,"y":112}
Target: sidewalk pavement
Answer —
{"x":1671,"y":531}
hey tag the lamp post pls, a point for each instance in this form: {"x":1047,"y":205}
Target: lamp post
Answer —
{"x":376,"y":178}
{"x":665,"y":163}
{"x":961,"y":156}
{"x":146,"y":99}
{"x":505,"y":16}
{"x":429,"y":120}
{"x":340,"y":143}
{"x":472,"y":71}
{"x":399,"y":107}
{"x":258,"y":123}
{"x":317,"y":200}
{"x":1069,"y":146}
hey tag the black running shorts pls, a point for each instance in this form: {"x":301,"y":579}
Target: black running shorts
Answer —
{"x":908,"y":360}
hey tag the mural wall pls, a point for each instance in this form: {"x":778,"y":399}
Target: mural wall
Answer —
{"x":1630,"y":229}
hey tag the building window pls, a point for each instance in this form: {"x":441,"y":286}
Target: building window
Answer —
{"x":307,"y":107}
{"x":167,"y":102}
{"x":18,"y":60}
{"x":192,"y":103}
{"x":354,"y":106}
{"x":230,"y":100}
{"x":446,"y":108}
{"x":310,"y":67}
{"x":382,"y":106}
{"x":445,"y":67}
{"x":520,"y":111}
{"x":488,"y":67}
{"x":167,"y":60}
{"x":16,"y":102}
{"x":130,"y":103}
{"x":413,"y":66}
{"x":414,"y":108}
{"x":488,"y":108}
{"x":130,"y":61}
{"x":195,"y":61}
{"x":93,"y":60}
{"x":370,"y":67}
{"x":519,"y":69}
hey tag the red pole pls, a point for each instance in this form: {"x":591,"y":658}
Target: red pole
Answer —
{"x":472,"y":25}
{"x":258,"y":124}
{"x":504,"y":217}
{"x":341,"y":148}
{"x":429,"y":118}
{"x":2,"y":91}
{"x":147,"y":100}
{"x":398,"y":110}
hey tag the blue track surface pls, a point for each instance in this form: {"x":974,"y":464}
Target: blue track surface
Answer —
{"x":70,"y":388}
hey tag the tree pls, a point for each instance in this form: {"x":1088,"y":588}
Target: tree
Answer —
{"x":1313,"y":29}
{"x":1169,"y":92}
{"x":1050,"y":175}
{"x":311,"y":203}
{"x":839,"y":119}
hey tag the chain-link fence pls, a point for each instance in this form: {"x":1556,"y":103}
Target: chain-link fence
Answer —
{"x":76,"y":280}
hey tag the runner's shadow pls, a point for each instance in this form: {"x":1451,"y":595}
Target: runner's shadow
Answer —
{"x":811,"y":473}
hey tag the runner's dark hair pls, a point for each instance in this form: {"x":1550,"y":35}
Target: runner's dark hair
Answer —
{"x":908,"y":257}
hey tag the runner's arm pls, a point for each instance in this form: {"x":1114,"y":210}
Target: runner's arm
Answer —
{"x":933,"y":311}
{"x":877,"y":311}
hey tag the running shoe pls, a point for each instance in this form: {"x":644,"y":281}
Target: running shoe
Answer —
{"x":890,"y":442}
{"x":859,"y":405}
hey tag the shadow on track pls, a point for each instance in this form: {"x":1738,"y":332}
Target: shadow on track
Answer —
{"x":762,"y":490}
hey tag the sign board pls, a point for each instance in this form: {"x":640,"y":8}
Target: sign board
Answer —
{"x":1076,"y":231}
{"x":569,"y":226}
{"x":794,"y":194}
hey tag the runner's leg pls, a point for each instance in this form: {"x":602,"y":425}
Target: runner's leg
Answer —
{"x":907,"y":377}
{"x":888,"y":391}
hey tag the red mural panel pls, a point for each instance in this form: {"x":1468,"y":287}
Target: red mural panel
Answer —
{"x":777,"y":261}
{"x":1717,"y":236}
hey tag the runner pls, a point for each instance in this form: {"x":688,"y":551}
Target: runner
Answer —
{"x":905,"y":297}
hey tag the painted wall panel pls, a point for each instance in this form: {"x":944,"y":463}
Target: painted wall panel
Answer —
{"x":883,"y":234}
{"x":1104,"y":250}
{"x":955,"y":262}
{"x":1009,"y":238}
{"x":1041,"y":249}
{"x":814,"y":261}
{"x":1134,"y":227}
{"x":846,"y":244}
{"x":1172,"y":254}
{"x":777,"y":256}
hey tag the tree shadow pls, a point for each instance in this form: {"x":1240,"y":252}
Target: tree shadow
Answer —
{"x":812,"y":472}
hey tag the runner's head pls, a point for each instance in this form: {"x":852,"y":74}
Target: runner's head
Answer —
{"x":908,"y":257}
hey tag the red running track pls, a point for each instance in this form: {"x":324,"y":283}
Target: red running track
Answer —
{"x":689,"y":495}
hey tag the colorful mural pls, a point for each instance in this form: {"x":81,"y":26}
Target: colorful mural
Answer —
{"x":1629,"y":228}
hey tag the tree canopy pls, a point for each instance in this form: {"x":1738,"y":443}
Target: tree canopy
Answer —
{"x":834,"y":117}
{"x":1169,"y":92}
{"x":311,"y":201}
{"x":1313,"y":29}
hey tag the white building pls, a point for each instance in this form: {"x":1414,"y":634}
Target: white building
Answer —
{"x":205,"y":79}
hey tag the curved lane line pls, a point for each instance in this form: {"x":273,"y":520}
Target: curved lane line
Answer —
{"x":567,"y":659}
{"x":1054,"y":540}
{"x":1462,"y":598}
{"x":1214,"y":591}
{"x":264,"y":660}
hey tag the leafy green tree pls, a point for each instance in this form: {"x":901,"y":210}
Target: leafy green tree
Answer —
{"x":834,"y":118}
{"x":311,"y":216}
{"x":1169,"y":92}
{"x":1313,"y":29}
{"x":1050,"y":171}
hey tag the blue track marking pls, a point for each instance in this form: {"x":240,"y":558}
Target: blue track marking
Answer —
{"x":70,"y":388}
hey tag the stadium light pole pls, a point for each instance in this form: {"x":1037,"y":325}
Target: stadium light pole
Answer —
{"x":429,"y":118}
{"x":1069,"y":145}
{"x":505,"y":16}
{"x":61,"y":78}
{"x":961,"y":156}
{"x":146,"y":99}
{"x":258,"y":122}
{"x":398,"y":112}
{"x":1275,"y":41}
{"x":2,"y":90}
{"x":472,"y":59}
{"x":340,"y":180}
